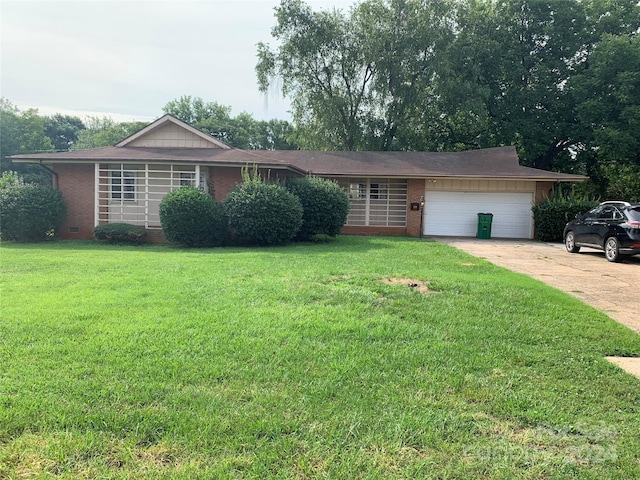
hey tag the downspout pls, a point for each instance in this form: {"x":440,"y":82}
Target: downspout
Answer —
{"x":55,"y":175}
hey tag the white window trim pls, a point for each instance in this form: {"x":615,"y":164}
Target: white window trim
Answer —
{"x":128,"y":190}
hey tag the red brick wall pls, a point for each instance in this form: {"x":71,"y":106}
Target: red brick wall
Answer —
{"x":415,"y":190}
{"x":155,"y":235}
{"x":76,"y":182}
{"x":222,"y":180}
{"x":362,"y":230}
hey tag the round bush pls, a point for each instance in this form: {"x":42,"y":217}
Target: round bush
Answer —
{"x":190,"y":217}
{"x":120,"y":233}
{"x":325,"y":206}
{"x":30,"y":212}
{"x":263,"y":213}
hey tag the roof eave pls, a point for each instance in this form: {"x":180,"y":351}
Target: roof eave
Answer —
{"x":541,"y":178}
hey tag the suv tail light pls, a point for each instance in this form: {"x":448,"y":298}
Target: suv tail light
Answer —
{"x":633,"y":224}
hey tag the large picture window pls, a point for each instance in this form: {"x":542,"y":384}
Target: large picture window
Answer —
{"x":376,"y":201}
{"x":132,"y":192}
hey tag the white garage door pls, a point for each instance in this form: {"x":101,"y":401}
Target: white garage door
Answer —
{"x":456,"y":213}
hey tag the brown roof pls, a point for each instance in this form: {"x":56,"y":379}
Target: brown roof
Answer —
{"x":501,"y":162}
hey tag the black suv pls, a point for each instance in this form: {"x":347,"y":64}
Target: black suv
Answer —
{"x":611,"y":226}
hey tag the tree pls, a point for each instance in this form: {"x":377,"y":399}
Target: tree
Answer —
{"x":242,"y":131}
{"x":517,"y":56}
{"x":62,"y":130}
{"x":609,"y":112}
{"x":104,"y":132}
{"x":358,"y":80}
{"x":406,"y":40}
{"x":324,"y":67}
{"x":23,"y":132}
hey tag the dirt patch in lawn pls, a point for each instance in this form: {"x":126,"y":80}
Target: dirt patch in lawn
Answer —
{"x":412,"y":283}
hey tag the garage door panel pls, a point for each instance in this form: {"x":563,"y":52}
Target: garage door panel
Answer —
{"x":456,"y":213}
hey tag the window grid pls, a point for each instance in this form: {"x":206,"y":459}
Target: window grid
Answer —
{"x":143,"y":187}
{"x":376,"y":202}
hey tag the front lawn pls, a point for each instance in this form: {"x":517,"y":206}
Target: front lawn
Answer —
{"x":308,"y":361}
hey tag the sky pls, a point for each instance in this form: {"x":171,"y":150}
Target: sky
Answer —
{"x":127,"y":58}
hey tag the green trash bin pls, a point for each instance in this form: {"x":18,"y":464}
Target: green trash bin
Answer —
{"x":484,"y":225}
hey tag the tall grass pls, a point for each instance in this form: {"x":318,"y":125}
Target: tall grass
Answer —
{"x":301,"y":362}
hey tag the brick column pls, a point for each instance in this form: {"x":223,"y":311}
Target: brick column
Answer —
{"x":415,"y":190}
{"x":77,"y":184}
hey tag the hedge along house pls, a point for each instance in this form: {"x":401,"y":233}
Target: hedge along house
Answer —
{"x":126,"y":182}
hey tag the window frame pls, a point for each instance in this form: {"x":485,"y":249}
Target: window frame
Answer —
{"x":123,"y":186}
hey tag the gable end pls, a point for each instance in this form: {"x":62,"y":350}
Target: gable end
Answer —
{"x":170,"y":132}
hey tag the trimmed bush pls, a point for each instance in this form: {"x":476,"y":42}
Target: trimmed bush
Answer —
{"x":263,"y":213}
{"x":551,"y":215}
{"x":190,"y":217}
{"x":324,"y":206}
{"x":30,"y":212}
{"x":120,"y":233}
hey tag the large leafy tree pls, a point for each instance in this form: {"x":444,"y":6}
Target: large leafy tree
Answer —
{"x":104,"y":132}
{"x":355,"y":78}
{"x":609,"y":113}
{"x":556,"y":78}
{"x":242,"y":131}
{"x":23,"y":132}
{"x":62,"y":130}
{"x":323,"y":66}
{"x":509,"y":65}
{"x":405,"y":40}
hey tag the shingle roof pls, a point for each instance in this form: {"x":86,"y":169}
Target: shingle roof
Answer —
{"x":501,"y":162}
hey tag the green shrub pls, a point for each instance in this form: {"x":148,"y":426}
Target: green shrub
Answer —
{"x":120,"y":233}
{"x":551,"y":215}
{"x":9,"y":178}
{"x":190,"y":217}
{"x":30,"y":212}
{"x":324,"y":206}
{"x":263,"y":213}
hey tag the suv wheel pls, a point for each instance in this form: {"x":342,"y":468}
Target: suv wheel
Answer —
{"x":612,"y":249}
{"x":570,"y":243}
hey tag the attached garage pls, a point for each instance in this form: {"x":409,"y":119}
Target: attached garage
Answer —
{"x":452,"y":213}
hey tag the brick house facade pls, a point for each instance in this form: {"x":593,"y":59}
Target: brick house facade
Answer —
{"x":126,"y":182}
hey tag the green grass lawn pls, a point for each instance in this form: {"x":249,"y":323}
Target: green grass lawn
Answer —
{"x":302,"y":362}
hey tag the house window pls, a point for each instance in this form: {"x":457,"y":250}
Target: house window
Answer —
{"x":123,"y":186}
{"x":357,"y":191}
{"x":376,"y":202}
{"x":379,"y":191}
{"x":132,"y":192}
{"x":187,"y":179}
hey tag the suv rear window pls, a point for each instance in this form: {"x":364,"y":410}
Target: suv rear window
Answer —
{"x":634,"y":213}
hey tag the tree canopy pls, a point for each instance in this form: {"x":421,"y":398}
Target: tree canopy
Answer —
{"x":242,"y":131}
{"x":104,"y":132}
{"x":556,"y":78}
{"x":23,"y":132}
{"x":62,"y":130}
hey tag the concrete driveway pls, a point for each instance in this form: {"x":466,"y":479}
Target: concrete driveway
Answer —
{"x":610,"y":287}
